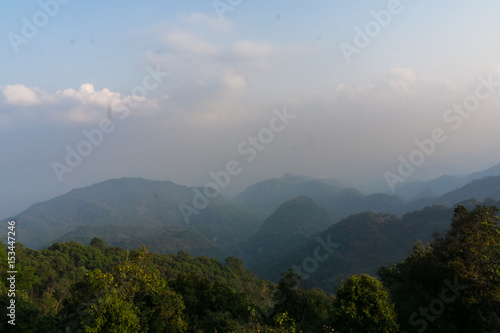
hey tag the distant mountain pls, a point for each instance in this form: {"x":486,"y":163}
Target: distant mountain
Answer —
{"x":225,"y":224}
{"x":329,"y":181}
{"x":292,"y":225}
{"x":134,"y":202}
{"x":480,"y":189}
{"x":427,"y":193}
{"x":350,"y":201}
{"x":266,"y":196}
{"x":439,"y":186}
{"x":341,"y":201}
{"x":302,"y":232}
{"x":163,"y":240}
{"x":493,"y":171}
{"x":358,"y":244}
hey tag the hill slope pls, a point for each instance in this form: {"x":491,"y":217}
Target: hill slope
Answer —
{"x":358,"y":244}
{"x":480,"y":189}
{"x":442,"y":185}
{"x":162,"y":240}
{"x":292,"y":225}
{"x":129,"y":201}
{"x":266,"y":196}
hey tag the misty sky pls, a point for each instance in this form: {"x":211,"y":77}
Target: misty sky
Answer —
{"x":176,"y":88}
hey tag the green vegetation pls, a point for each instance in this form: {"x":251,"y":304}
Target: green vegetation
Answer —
{"x":453,"y":283}
{"x":365,"y":241}
{"x":96,"y":288}
{"x":164,"y":239}
{"x":363,"y":305}
{"x":449,"y":285}
{"x":144,"y":206}
{"x":290,"y":227}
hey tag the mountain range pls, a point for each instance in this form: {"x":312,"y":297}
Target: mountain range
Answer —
{"x":320,"y":227}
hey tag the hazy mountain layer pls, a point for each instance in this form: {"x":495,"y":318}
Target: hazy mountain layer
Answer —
{"x":135,"y":202}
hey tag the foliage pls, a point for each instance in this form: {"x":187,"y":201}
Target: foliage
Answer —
{"x":364,"y":242}
{"x":309,"y":309}
{"x":362,"y":304}
{"x":98,"y":288}
{"x":449,"y":285}
{"x":131,"y":299}
{"x":453,"y":284}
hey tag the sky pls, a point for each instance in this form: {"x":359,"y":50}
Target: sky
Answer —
{"x":373,"y":93}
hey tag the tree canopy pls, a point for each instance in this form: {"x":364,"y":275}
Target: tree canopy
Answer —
{"x":449,"y":285}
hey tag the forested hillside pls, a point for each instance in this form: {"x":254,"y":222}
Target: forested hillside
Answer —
{"x":358,"y":244}
{"x":449,"y":285}
{"x":133,"y":202}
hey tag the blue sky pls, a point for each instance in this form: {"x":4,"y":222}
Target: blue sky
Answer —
{"x":225,"y":76}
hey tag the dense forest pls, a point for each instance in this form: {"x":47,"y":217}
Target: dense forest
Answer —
{"x":451,"y":284}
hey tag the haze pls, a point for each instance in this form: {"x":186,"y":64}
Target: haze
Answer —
{"x":90,"y":66}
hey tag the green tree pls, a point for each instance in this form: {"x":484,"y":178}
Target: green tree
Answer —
{"x":158,"y":307}
{"x":290,"y":296}
{"x":98,"y":243}
{"x":28,"y":318}
{"x":210,"y":304}
{"x":362,"y":304}
{"x":129,"y":299}
{"x":472,"y":249}
{"x":96,"y":306}
{"x":453,"y":284}
{"x":309,"y":309}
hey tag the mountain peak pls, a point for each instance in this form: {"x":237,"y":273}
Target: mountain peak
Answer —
{"x":300,"y":215}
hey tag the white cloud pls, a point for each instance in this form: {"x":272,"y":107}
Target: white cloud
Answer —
{"x":204,"y":69}
{"x":69,"y":105}
{"x":87,"y":95}
{"x":21,"y":95}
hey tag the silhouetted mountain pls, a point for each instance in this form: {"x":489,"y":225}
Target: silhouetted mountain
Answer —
{"x":135,"y":202}
{"x":226,"y":224}
{"x":266,"y":196}
{"x":439,"y":186}
{"x":358,"y":244}
{"x":352,"y":201}
{"x":492,"y":171}
{"x":427,"y":193}
{"x":128,"y":211}
{"x":480,"y":189}
{"x":292,"y":225}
